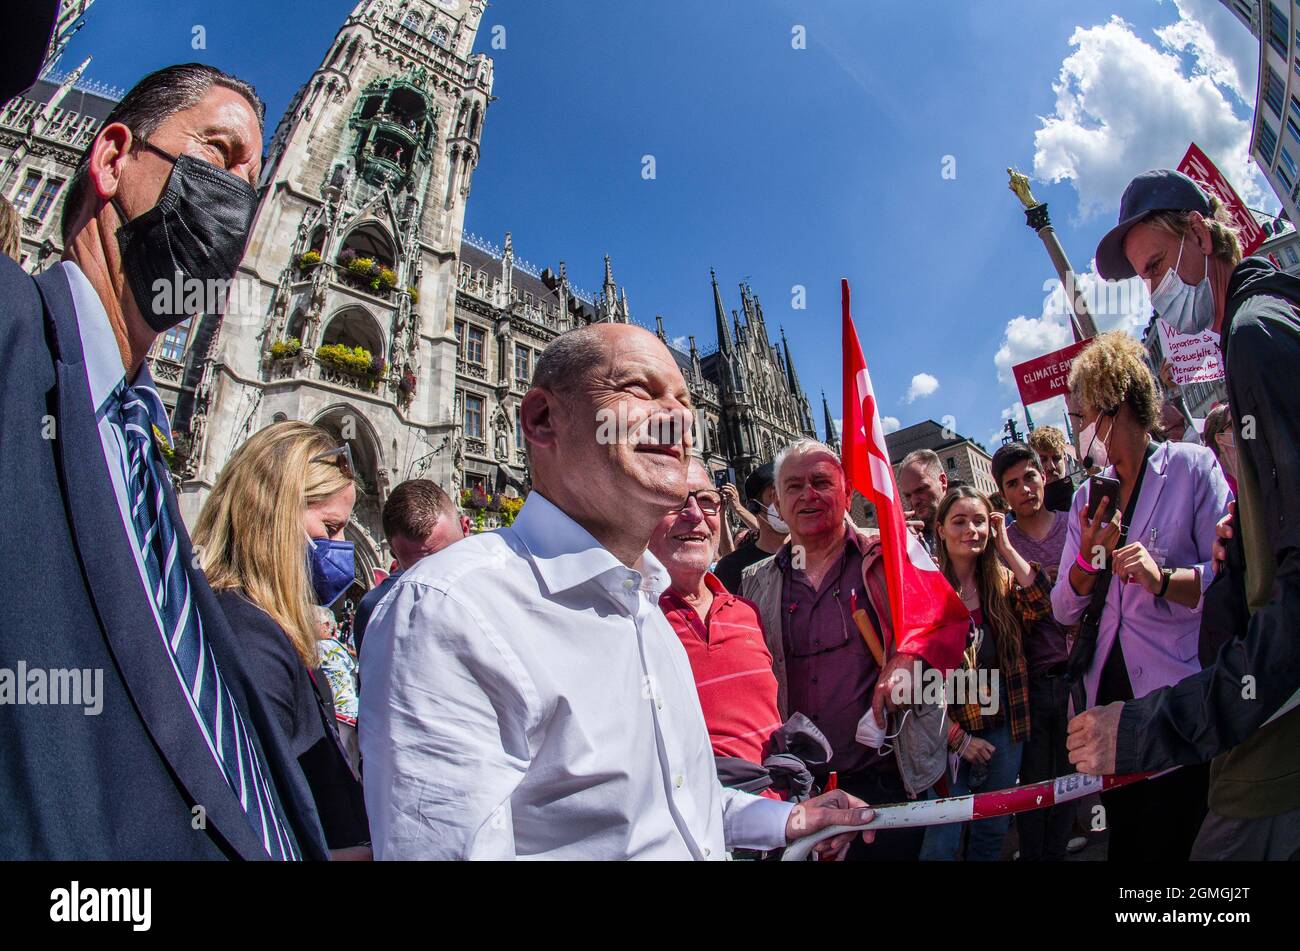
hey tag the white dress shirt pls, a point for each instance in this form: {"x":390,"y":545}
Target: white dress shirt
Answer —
{"x":523,"y":696}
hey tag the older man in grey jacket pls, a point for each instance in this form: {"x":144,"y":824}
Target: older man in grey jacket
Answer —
{"x":807,"y":595}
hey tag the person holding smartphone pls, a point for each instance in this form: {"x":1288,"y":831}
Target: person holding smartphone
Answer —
{"x":1137,"y":558}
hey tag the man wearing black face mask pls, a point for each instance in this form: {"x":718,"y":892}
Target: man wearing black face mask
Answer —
{"x":165,"y":751}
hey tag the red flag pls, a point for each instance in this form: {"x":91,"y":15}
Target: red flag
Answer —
{"x":929,"y":619}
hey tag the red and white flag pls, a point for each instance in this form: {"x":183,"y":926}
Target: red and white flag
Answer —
{"x":929,"y":619}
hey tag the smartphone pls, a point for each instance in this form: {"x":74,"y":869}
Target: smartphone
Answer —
{"x":720,"y":479}
{"x":1102,"y":490}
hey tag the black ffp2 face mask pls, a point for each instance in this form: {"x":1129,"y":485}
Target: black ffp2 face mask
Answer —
{"x":195,"y":236}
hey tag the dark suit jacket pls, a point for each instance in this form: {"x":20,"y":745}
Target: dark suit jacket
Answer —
{"x":122,"y":784}
{"x":304,"y":705}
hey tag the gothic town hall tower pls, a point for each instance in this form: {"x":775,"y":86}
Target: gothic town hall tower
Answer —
{"x":352,"y":262}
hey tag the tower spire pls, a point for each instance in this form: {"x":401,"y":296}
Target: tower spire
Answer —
{"x":832,"y":437}
{"x":720,"y":312}
{"x":791,"y":376}
{"x":609,"y":295}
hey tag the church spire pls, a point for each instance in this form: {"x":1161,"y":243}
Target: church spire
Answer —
{"x":609,"y":296}
{"x":791,"y":376}
{"x":720,"y":312}
{"x":832,"y":437}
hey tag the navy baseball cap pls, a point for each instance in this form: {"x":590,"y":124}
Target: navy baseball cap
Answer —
{"x":1161,"y":189}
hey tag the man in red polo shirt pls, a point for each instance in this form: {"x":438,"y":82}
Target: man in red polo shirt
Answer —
{"x":722,"y":634}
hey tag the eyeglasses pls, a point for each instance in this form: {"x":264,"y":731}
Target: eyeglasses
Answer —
{"x":341,"y":457}
{"x":708,"y":500}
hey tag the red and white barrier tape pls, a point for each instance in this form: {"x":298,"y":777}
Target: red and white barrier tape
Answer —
{"x":983,"y":805}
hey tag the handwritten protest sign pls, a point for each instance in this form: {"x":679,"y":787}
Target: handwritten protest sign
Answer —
{"x":1193,"y":358}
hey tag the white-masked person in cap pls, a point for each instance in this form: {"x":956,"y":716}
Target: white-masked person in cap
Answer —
{"x":1181,"y":243}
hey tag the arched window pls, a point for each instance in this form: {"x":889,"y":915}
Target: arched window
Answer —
{"x":369,"y":240}
{"x":354,"y":327}
{"x":413,"y":22}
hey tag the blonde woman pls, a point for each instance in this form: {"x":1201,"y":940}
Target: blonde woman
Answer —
{"x":271,"y":544}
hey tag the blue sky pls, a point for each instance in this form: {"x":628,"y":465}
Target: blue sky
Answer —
{"x":786,"y":166}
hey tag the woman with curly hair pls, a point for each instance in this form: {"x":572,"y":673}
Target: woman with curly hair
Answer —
{"x":1134,"y":571}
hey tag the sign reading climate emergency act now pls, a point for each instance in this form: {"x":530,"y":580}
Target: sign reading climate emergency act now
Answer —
{"x":1044,"y":377}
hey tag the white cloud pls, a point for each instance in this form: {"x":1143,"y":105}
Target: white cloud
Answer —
{"x":681,"y":343}
{"x":923,"y":384}
{"x":1220,"y":46}
{"x":1124,"y":106}
{"x":890,"y":424}
{"x":1122,"y":305}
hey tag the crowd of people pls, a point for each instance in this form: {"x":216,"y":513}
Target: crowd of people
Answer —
{"x":645,"y":664}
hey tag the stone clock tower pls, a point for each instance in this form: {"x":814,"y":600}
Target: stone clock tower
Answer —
{"x":344,"y":311}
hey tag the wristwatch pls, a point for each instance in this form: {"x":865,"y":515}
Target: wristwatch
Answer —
{"x":1165,"y":575}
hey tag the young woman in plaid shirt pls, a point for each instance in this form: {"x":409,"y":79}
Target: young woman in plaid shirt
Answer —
{"x":1005,"y":594}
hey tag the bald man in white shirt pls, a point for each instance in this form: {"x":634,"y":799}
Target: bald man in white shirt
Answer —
{"x":526,"y":698}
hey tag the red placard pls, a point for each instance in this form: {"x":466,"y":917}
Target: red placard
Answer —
{"x":1044,"y":377}
{"x":1197,"y":165}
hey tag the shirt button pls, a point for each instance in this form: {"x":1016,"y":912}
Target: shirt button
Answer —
{"x":814,"y":680}
{"x":629,"y":584}
{"x":707,"y":853}
{"x":659,"y":704}
{"x":679,"y":781}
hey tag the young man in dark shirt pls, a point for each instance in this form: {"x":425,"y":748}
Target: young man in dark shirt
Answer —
{"x":1039,"y":535}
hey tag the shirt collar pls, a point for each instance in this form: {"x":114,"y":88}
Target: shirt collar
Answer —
{"x":853,"y":537}
{"x":716,"y":588}
{"x":103,"y":357}
{"x":567,"y":555}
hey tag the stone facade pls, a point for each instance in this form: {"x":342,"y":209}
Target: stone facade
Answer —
{"x":341,"y":314}
{"x":360,"y":306}
{"x":746,"y":391}
{"x":43,"y":133}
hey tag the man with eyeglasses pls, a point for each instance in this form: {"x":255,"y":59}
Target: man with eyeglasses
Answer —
{"x":722,"y":634}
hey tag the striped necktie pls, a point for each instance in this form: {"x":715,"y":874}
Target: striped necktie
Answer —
{"x":218,"y":718}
